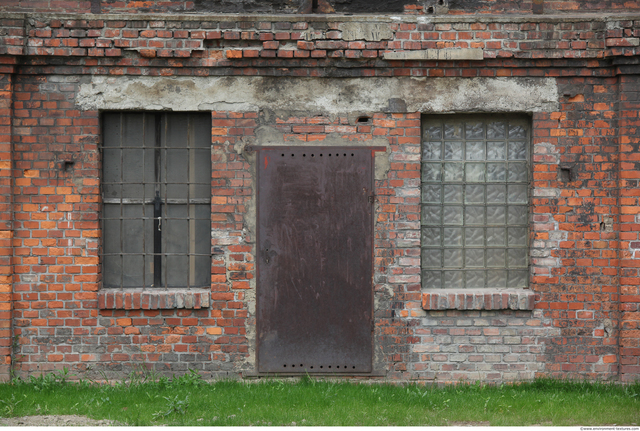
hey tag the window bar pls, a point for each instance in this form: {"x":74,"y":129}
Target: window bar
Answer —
{"x":144,"y":209}
{"x":191,"y":207}
{"x":121,"y":207}
{"x":164,"y":120}
{"x":157,"y":208}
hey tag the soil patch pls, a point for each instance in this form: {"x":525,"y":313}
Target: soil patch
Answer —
{"x":54,"y":420}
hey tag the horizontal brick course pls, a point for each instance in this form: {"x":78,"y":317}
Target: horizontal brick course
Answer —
{"x":462,"y":299}
{"x":134,"y":299}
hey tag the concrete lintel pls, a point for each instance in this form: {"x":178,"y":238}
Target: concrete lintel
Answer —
{"x":436,"y":54}
{"x":321,"y":95}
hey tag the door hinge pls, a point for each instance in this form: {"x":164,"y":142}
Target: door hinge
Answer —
{"x":371,"y":198}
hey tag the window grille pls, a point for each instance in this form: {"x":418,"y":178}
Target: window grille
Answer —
{"x":156,"y":194}
{"x":475,"y":214}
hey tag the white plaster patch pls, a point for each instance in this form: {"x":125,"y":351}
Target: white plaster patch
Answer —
{"x":490,"y":95}
{"x":541,"y":257}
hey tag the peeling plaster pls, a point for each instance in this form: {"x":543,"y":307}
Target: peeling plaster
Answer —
{"x":329,"y":96}
{"x":542,"y":259}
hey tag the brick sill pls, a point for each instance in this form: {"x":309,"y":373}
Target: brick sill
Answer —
{"x":478,"y":299}
{"x":152,"y":299}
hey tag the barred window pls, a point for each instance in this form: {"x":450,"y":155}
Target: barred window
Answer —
{"x":156,"y":193}
{"x":475,"y":214}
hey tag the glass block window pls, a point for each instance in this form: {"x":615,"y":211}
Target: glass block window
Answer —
{"x":156,"y":195}
{"x":475,"y":214}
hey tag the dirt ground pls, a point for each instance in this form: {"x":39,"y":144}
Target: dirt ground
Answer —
{"x":58,"y":421}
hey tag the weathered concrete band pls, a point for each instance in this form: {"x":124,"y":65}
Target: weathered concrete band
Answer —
{"x":436,"y":54}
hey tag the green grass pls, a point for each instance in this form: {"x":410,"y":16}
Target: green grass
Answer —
{"x":188,"y":400}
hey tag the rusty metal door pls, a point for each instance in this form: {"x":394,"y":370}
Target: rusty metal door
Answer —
{"x":314,"y":263}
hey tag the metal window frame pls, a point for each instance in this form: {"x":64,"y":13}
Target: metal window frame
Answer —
{"x":160,"y":203}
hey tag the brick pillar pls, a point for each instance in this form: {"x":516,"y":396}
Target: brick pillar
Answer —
{"x":6,"y":232}
{"x":629,"y":228}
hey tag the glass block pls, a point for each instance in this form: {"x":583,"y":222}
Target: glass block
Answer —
{"x":431,"y":214}
{"x":432,"y":279}
{"x":452,"y":215}
{"x":453,"y":150}
{"x":452,"y":193}
{"x":453,"y":258}
{"x":431,"y":193}
{"x":431,"y":151}
{"x":517,"y":150}
{"x":517,"y":258}
{"x":518,"y":236}
{"x":475,"y":172}
{"x":518,"y":172}
{"x":496,"y":236}
{"x":496,"y":193}
{"x":453,"y":279}
{"x":496,"y":278}
{"x":475,"y":151}
{"x":518,"y":214}
{"x":453,"y":171}
{"x":496,"y":130}
{"x":434,"y":132}
{"x":496,"y":172}
{"x":517,"y":132}
{"x":431,"y":172}
{"x":431,"y":258}
{"x":518,"y":278}
{"x":452,"y":131}
{"x":431,"y":237}
{"x":474,"y":258}
{"x":474,"y":279}
{"x":496,"y":258}
{"x":452,"y":236}
{"x":473,"y":236}
{"x":496,"y":150}
{"x":474,"y":130}
{"x":474,"y":194}
{"x":517,"y":194}
{"x":495,"y":214}
{"x":473,"y":215}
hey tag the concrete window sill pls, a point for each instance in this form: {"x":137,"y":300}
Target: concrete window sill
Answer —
{"x":153,"y":299}
{"x":478,"y":299}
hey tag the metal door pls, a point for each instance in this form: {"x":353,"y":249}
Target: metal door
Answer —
{"x":314,"y":285}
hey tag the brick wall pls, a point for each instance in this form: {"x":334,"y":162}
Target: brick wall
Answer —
{"x":288,"y":6}
{"x":584,"y":200}
{"x":575,"y":248}
{"x":6,"y":228}
{"x":629,"y":226}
